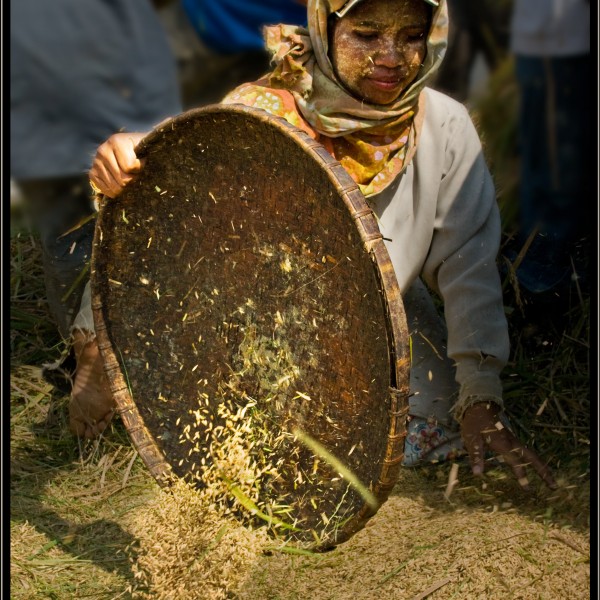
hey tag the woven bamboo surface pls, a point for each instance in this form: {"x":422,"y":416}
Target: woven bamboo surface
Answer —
{"x":245,"y":258}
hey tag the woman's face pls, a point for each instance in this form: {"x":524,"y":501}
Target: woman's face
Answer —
{"x":378,"y":47}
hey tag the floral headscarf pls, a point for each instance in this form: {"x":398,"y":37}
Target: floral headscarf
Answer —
{"x":373,"y":142}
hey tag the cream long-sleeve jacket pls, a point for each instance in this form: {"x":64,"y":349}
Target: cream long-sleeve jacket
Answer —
{"x":442,"y":223}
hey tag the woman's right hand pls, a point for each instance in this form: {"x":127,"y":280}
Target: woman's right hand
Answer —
{"x":116,"y":163}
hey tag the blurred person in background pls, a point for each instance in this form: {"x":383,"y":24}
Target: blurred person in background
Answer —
{"x":219,"y":43}
{"x":79,"y":70}
{"x":476,"y":27}
{"x":551,"y":43}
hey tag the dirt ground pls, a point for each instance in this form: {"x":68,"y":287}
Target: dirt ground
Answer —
{"x":87,"y":521}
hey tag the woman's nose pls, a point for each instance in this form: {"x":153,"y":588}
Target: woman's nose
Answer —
{"x":389,"y":54}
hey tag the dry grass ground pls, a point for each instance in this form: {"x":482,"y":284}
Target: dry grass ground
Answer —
{"x":87,"y":521}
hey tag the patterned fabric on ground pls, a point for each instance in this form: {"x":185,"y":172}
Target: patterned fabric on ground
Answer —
{"x":428,"y":441}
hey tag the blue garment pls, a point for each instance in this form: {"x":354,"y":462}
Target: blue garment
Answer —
{"x":230,"y":26}
{"x":551,"y":43}
{"x":554,"y":137}
{"x":81,"y":70}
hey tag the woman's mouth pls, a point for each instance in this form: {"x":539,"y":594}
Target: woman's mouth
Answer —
{"x":385,"y":80}
{"x":386,"y":85}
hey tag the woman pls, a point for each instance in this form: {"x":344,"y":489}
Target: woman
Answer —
{"x":355,"y":81}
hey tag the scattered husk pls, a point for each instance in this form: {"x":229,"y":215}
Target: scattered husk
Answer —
{"x":188,"y":550}
{"x":414,"y":543}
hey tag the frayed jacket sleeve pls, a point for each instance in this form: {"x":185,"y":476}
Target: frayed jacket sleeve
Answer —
{"x":461,"y":262}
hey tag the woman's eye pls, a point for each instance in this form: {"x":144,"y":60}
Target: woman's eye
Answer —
{"x":416,"y":37}
{"x":366,"y":34}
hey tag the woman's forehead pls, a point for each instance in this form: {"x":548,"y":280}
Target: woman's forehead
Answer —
{"x":341,"y":7}
{"x":402,"y":13}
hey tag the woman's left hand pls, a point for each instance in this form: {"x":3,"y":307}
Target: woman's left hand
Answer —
{"x":481,"y":428}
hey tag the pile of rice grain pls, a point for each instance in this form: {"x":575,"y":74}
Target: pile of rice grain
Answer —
{"x":187,"y":550}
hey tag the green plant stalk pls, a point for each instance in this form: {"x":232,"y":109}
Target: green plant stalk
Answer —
{"x":339,"y":466}
{"x":248,"y":504}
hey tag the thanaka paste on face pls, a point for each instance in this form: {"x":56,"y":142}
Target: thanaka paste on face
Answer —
{"x":377,"y":50}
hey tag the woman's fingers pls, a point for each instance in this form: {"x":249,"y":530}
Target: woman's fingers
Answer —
{"x":520,"y":458}
{"x":482,"y":428}
{"x":105,"y":180}
{"x":93,"y":430}
{"x":473,"y":428}
{"x":77,"y":426}
{"x":116,"y":163}
{"x":515,"y":459}
{"x":124,"y":150}
{"x":474,"y":446}
{"x":88,"y":428}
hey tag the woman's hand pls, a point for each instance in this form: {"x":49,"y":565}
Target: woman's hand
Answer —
{"x":116,"y":163}
{"x":481,"y":427}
